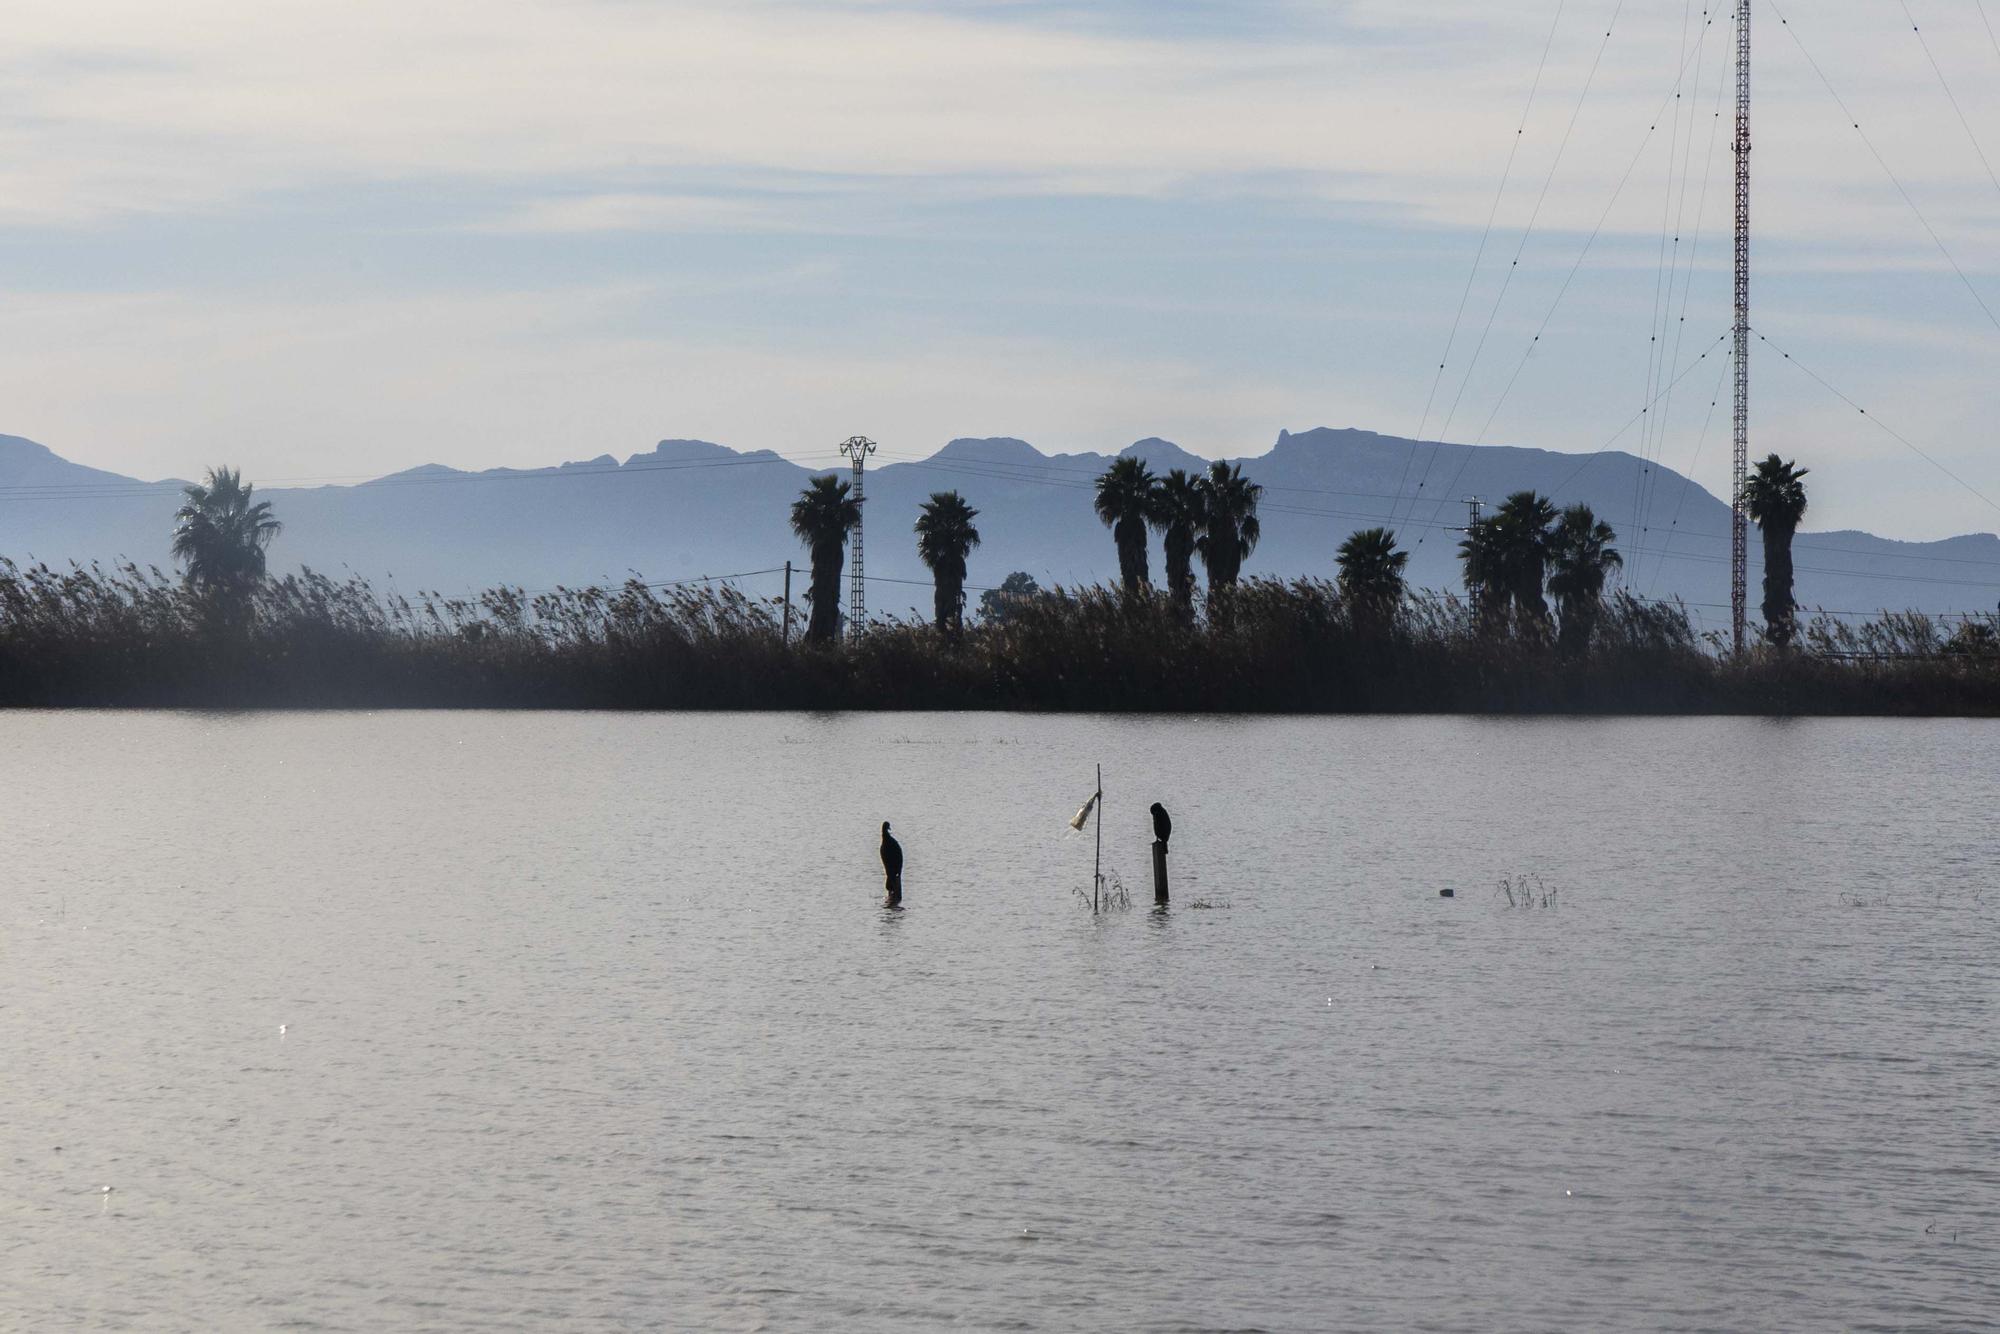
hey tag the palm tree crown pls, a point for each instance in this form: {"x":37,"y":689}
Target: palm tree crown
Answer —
{"x":1229,"y":529}
{"x":822,"y":517}
{"x":220,"y":532}
{"x":1126,"y":502}
{"x":1581,"y":558}
{"x":1371,"y":571}
{"x":945,"y":536}
{"x":1774,"y":493}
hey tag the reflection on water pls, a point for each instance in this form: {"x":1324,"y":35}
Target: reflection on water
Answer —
{"x":505,"y":1021}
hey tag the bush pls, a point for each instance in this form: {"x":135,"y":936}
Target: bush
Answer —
{"x":133,"y":637}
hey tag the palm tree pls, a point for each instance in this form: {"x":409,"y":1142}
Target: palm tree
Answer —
{"x":1180,"y":515}
{"x":1581,"y":557}
{"x":1371,"y":575}
{"x":822,"y":516}
{"x":1776,"y":499}
{"x":1230,"y":529}
{"x":1521,"y":531}
{"x":1125,"y":502}
{"x":944,"y":537}
{"x":220,"y":533}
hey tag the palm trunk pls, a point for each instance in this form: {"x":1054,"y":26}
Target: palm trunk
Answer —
{"x":1225,"y":559}
{"x":948,"y":600}
{"x":827,"y":559}
{"x":1579,"y":621}
{"x":1779,"y":609}
{"x":1180,"y":569}
{"x":1530,"y":606}
{"x":1130,"y":535}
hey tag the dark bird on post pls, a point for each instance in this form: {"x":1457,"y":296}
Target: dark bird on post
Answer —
{"x":1163,"y":824}
{"x":892,"y":864}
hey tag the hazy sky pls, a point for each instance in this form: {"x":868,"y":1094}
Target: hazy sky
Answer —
{"x":330,"y":240}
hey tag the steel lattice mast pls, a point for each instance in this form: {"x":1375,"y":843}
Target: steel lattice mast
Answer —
{"x":857,"y":448}
{"x":1739,"y":526}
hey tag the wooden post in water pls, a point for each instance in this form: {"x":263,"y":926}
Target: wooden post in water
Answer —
{"x":1163,"y":829}
{"x":788,"y":604}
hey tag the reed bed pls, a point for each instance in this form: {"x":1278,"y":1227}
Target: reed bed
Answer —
{"x":131,"y":637}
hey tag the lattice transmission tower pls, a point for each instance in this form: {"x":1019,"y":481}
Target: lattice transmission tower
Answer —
{"x":1739,"y":524}
{"x":857,"y":448}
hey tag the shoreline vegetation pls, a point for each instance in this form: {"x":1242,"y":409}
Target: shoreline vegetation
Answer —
{"x":131,"y":637}
{"x":226,"y":634}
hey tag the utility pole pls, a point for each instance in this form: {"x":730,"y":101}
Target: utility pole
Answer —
{"x":1474,"y":511}
{"x":857,"y":448}
{"x":788,"y":604}
{"x":1739,"y":521}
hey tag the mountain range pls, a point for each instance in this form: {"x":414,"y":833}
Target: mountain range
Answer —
{"x":690,"y":509}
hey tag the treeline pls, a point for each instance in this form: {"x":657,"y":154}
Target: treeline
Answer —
{"x":130,"y":637}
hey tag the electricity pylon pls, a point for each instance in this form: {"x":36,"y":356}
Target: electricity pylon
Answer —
{"x":857,"y":448}
{"x":1739,"y":519}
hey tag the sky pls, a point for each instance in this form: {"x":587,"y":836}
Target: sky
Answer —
{"x":326,"y":241}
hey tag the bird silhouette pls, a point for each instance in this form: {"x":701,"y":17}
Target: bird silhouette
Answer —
{"x":892,"y":864}
{"x":1163,"y":824}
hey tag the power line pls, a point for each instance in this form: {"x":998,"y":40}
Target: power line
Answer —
{"x":1821,"y":611}
{"x":1638,"y":416}
{"x":1722,"y":86}
{"x":1951,"y":96}
{"x":1672,"y":357}
{"x":1882,"y":162}
{"x":1534,"y":216}
{"x":1663,"y":275}
{"x":1879,"y":423}
{"x":1479,"y":255}
{"x":1980,"y":5}
{"x":128,"y":489}
{"x":1687,"y":478}
{"x":1322,"y":511}
{"x":1882,"y":575}
{"x":1556,"y":304}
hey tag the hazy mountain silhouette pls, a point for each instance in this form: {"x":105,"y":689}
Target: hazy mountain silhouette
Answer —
{"x":691,"y":508}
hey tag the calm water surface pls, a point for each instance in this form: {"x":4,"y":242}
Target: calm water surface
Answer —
{"x":596,"y":1022}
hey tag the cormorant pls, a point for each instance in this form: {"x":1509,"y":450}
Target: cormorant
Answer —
{"x":1163,"y":824}
{"x":892,"y":863}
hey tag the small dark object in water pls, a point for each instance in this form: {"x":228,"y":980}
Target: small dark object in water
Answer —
{"x":892,"y":865}
{"x":1443,"y":893}
{"x":1163,"y":824}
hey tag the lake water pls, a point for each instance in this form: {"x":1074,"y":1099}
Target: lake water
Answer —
{"x":596,"y":1021}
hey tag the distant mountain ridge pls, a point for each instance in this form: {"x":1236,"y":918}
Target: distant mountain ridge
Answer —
{"x":689,"y":509}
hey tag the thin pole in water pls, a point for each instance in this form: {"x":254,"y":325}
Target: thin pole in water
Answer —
{"x":1097,"y":868}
